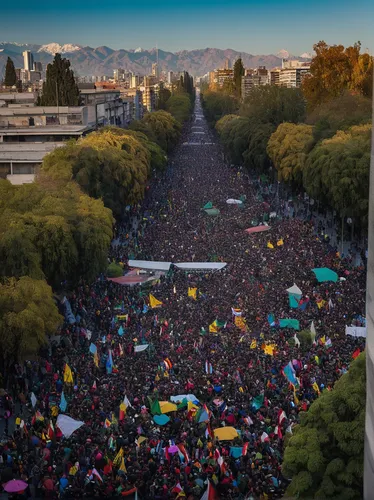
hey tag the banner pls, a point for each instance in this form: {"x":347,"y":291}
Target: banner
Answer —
{"x":140,"y":348}
{"x":356,"y":331}
{"x":68,"y":425}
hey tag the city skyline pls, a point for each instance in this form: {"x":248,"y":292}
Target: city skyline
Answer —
{"x":244,"y":26}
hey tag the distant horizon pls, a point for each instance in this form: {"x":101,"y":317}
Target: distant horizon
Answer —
{"x":251,"y":26}
{"x":67,"y":42}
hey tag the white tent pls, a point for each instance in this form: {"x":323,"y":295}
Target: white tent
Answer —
{"x":150,"y":264}
{"x":195,"y":266}
{"x":294,"y":290}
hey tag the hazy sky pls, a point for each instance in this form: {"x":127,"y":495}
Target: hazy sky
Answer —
{"x":254,"y":26}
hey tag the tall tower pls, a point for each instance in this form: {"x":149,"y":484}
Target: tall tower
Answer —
{"x":28,"y":60}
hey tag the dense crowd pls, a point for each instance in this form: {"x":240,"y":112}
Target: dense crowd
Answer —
{"x":196,"y":346}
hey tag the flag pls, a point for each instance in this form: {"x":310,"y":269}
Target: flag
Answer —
{"x":63,"y":402}
{"x":96,"y":359}
{"x":278,"y":431}
{"x":356,"y":353}
{"x":50,"y":431}
{"x":253,"y":344}
{"x":93,"y":348}
{"x":264,"y":437}
{"x":192,"y":292}
{"x":213,"y":328}
{"x":236,"y":312}
{"x":297,"y":341}
{"x":269,"y":349}
{"x":323,"y":340}
{"x":281,"y":416}
{"x":121,"y":331}
{"x":122,"y":411}
{"x":95,"y":473}
{"x":245,"y":449}
{"x":328,"y":343}
{"x":280,"y":242}
{"x":248,"y":420}
{"x":118,"y":458}
{"x":68,"y":376}
{"x":210,"y":493}
{"x":316,"y":388}
{"x":123,"y":466}
{"x":240,"y":322}
{"x":107,"y":423}
{"x":295,"y":398}
{"x":290,"y":374}
{"x":109,"y":363}
{"x":94,"y":386}
{"x":208,"y":367}
{"x":183,"y":450}
{"x":153,"y":302}
{"x":258,"y":401}
{"x":168,"y":364}
{"x":33,"y":400}
{"x":270,"y":245}
{"x":155,"y":407}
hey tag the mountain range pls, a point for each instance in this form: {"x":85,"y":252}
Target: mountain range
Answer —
{"x":103,"y":60}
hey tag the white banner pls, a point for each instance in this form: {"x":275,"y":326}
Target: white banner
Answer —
{"x":140,"y":348}
{"x":356,"y":331}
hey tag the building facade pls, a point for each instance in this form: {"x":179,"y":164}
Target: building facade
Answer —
{"x":292,"y":73}
{"x":28,"y":60}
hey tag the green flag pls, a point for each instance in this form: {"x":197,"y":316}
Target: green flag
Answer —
{"x":183,"y":404}
{"x":258,"y":401}
{"x":155,"y":407}
{"x":208,"y":205}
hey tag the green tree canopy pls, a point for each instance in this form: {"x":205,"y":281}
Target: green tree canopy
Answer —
{"x":60,"y":87}
{"x":180,"y":107}
{"x":225,"y":120}
{"x":337,"y":171}
{"x":238,"y":73}
{"x":274,"y":105}
{"x":335,"y":69}
{"x":161,"y":126}
{"x":255,"y":156}
{"x":10,"y":78}
{"x":235,"y":137}
{"x":218,"y":104}
{"x":51,"y":229}
{"x":324,"y":457}
{"x":339,"y":113}
{"x":28,"y":314}
{"x":287,"y":149}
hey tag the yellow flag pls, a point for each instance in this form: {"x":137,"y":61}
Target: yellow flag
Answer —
{"x":270,"y":245}
{"x":190,"y":406}
{"x":192,"y":292}
{"x":295,"y":398}
{"x":253,"y":344}
{"x":153,"y":302}
{"x":68,"y":376}
{"x":96,"y":359}
{"x":269,"y":349}
{"x":123,"y":466}
{"x":316,"y":388}
{"x":280,"y":242}
{"x":323,"y":340}
{"x":118,"y":457}
{"x":213,"y":328}
{"x":321,"y":303}
{"x":240,"y":322}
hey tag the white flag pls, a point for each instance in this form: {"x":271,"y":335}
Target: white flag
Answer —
{"x":33,"y":400}
{"x":68,"y":425}
{"x":140,"y":348}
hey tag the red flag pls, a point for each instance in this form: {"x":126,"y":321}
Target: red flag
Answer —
{"x":356,"y":353}
{"x":245,"y":449}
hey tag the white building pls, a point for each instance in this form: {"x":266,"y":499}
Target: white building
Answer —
{"x":292,"y":73}
{"x":28,"y":60}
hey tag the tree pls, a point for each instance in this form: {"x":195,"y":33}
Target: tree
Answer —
{"x":340,"y":113}
{"x":10,"y":74}
{"x":324,"y":456}
{"x":180,"y":107}
{"x":163,"y":127}
{"x":217,"y":104}
{"x":255,"y":156}
{"x":274,"y":105}
{"x":335,"y":69}
{"x":28,"y":314}
{"x":287,"y":149}
{"x":60,"y":87}
{"x":238,"y":73}
{"x":337,"y":171}
{"x":225,"y":120}
{"x":235,"y":137}
{"x":163,"y":96}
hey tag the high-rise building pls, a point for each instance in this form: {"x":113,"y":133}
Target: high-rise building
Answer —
{"x":155,"y":70}
{"x":135,"y":81}
{"x":38,"y":66}
{"x":227,"y":63}
{"x":28,"y":60}
{"x":170,"y":77}
{"x":292,"y":73}
{"x":274,"y":76}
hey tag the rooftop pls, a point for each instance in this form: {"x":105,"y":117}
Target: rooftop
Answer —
{"x":48,"y":130}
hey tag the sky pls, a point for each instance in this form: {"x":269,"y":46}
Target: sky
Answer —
{"x":253,"y":26}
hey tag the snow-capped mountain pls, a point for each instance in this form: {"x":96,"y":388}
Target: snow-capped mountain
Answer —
{"x":307,"y":55}
{"x":54,"y":48}
{"x":139,"y":49}
{"x":284,"y":54}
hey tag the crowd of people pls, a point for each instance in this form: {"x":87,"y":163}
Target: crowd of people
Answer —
{"x":214,"y":339}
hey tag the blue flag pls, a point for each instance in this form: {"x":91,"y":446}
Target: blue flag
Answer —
{"x":120,"y":331}
{"x":63,"y":402}
{"x":109,"y":363}
{"x":93,"y":349}
{"x":290,"y":374}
